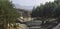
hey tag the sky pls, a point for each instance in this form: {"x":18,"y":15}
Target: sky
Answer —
{"x":30,"y":2}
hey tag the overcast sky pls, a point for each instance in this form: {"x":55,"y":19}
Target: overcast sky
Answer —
{"x":28,"y":4}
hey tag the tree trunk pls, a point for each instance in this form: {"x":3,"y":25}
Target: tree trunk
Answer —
{"x":42,"y":25}
{"x":42,"y":22}
{"x":5,"y":24}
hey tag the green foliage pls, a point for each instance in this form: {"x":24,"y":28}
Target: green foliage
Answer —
{"x":47,"y":10}
{"x":7,"y":13}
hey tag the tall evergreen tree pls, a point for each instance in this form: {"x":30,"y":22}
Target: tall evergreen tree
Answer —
{"x":7,"y":13}
{"x":48,"y":10}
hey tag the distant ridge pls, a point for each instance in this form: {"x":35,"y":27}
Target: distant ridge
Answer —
{"x":27,"y":8}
